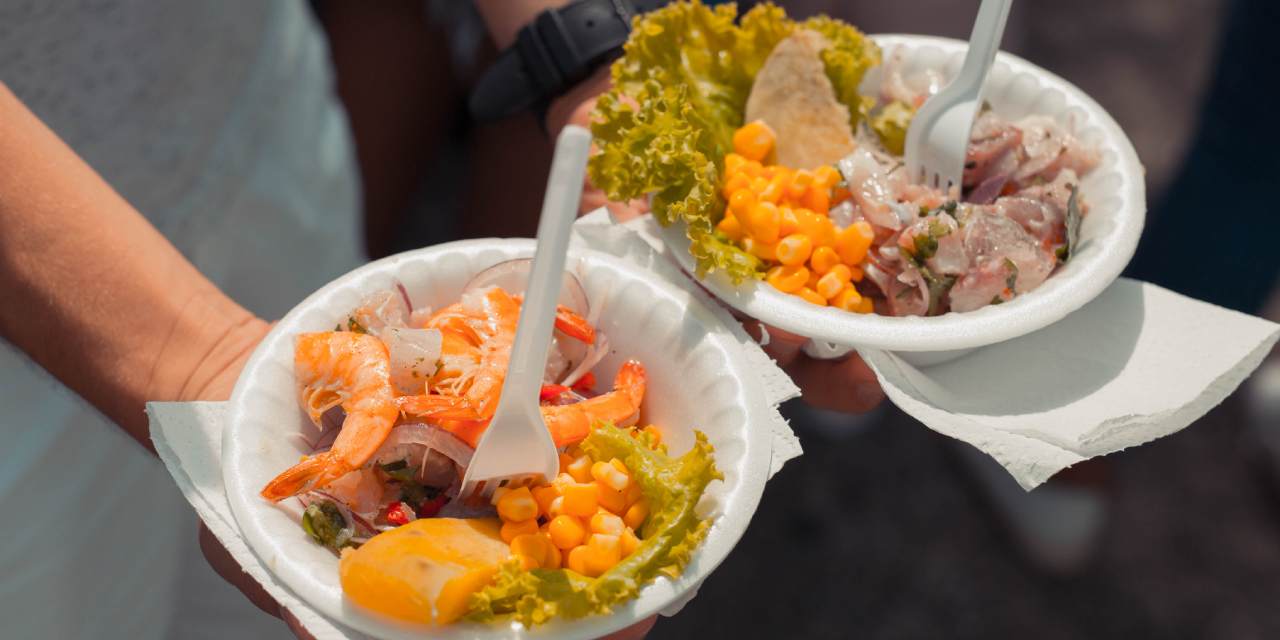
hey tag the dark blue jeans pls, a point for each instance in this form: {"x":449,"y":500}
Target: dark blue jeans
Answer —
{"x":1215,"y":234}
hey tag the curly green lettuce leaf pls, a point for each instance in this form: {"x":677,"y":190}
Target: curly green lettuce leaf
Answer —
{"x":672,"y":486}
{"x":679,"y":92}
{"x":890,"y":124}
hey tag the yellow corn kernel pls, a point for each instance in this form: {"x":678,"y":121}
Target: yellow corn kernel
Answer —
{"x":633,"y":493}
{"x":577,"y":561}
{"x":819,"y":228}
{"x":517,"y":504}
{"x":554,"y":558}
{"x":794,"y":249}
{"x":848,"y":298}
{"x":814,"y":277}
{"x":527,"y":563}
{"x":628,"y":542}
{"x":605,"y":522}
{"x":856,"y":274}
{"x":787,"y":279}
{"x":733,"y":163}
{"x":730,"y":227}
{"x":822,"y":259}
{"x":758,"y":184}
{"x":532,"y":545}
{"x":565,"y":459}
{"x":812,"y":296}
{"x":741,"y":201}
{"x":455,"y":595}
{"x":760,"y":250}
{"x":512,"y":530}
{"x":831,"y":284}
{"x":604,"y":551}
{"x":636,"y":514}
{"x":566,"y":531}
{"x":751,"y":169}
{"x":543,"y":496}
{"x":557,"y":507}
{"x":765,"y":221}
{"x":735,"y":183}
{"x":580,"y":499}
{"x":817,"y":199}
{"x":754,"y":140}
{"x":776,"y":189}
{"x":842,"y":272}
{"x":580,"y":469}
{"x":799,"y":184}
{"x":853,"y":241}
{"x":787,"y":222}
{"x":609,"y":475}
{"x":866,"y":306}
{"x":497,"y":495}
{"x":611,"y":499}
{"x":825,"y":176}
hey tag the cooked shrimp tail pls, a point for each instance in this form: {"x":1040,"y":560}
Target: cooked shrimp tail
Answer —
{"x":355,"y":369}
{"x":571,"y":423}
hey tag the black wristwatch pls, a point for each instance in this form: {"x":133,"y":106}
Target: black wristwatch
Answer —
{"x":560,"y":48}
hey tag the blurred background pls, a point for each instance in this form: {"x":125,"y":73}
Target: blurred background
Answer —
{"x":884,"y":529}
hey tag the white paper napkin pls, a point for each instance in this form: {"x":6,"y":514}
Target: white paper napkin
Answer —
{"x":188,"y":435}
{"x":1138,"y":363}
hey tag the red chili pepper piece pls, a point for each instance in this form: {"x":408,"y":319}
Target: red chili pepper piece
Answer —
{"x":431,"y":507}
{"x":551,"y":392}
{"x":397,"y":514}
{"x":585,"y":383}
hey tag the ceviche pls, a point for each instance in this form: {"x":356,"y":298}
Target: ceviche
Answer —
{"x":754,"y":133}
{"x":400,"y":396}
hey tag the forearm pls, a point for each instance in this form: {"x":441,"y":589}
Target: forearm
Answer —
{"x":92,"y":292}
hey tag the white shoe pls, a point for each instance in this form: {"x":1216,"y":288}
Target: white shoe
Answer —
{"x":1057,"y":526}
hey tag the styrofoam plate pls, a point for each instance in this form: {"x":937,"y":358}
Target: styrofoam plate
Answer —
{"x":698,"y":377}
{"x":1109,"y":235}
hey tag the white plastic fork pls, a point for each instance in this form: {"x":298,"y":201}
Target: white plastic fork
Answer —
{"x":516,"y":448}
{"x":939,"y":132}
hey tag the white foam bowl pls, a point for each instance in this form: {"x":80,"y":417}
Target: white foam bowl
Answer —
{"x":694,"y":367}
{"x":1114,"y":190}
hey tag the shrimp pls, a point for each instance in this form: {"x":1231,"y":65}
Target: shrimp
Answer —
{"x":477,"y":334}
{"x":567,"y":423}
{"x":348,"y":369}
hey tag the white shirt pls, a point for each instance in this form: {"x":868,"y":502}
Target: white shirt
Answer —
{"x":217,"y":121}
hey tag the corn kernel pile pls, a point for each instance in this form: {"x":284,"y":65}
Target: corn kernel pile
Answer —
{"x":779,"y":215}
{"x":584,"y":520}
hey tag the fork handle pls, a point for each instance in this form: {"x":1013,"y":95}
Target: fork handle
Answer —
{"x":546,"y":276}
{"x":984,"y":42}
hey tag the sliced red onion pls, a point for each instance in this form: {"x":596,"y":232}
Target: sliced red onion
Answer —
{"x":426,"y":435}
{"x":988,"y":190}
{"x":594,"y":355}
{"x":513,"y":275}
{"x":404,"y":295}
{"x":414,"y":354}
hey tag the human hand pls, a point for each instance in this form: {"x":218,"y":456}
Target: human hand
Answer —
{"x":575,"y":108}
{"x":216,"y":384}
